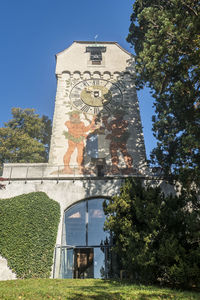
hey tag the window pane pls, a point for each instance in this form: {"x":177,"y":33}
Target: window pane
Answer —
{"x":75,"y":224}
{"x":100,"y":270}
{"x":67,"y":263}
{"x":96,"y":219}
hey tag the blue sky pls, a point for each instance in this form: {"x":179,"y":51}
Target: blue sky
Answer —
{"x":33,"y":31}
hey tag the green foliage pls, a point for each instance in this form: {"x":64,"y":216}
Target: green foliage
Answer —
{"x":156,"y":238}
{"x":25,"y":138}
{"x":166,"y":38}
{"x":28,"y":227}
{"x":87,"y":289}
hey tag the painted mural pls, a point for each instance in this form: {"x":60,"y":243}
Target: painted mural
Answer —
{"x":95,"y":129}
{"x":96,"y":140}
{"x":76,"y":135}
{"x":118,"y":137}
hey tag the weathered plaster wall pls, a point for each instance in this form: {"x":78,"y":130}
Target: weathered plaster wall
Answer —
{"x":65,"y":192}
{"x":75,"y":58}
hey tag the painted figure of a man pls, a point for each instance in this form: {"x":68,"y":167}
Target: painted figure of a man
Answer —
{"x":76,"y":134}
{"x":118,"y":139}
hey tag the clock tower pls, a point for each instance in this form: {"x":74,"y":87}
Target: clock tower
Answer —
{"x":96,"y":143}
{"x":96,"y":128}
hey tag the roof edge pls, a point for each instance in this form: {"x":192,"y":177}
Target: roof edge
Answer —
{"x":95,"y":42}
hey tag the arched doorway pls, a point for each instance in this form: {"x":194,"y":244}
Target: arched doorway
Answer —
{"x":85,"y":251}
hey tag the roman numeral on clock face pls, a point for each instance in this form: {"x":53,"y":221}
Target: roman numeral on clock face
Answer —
{"x":96,"y":110}
{"x":93,"y":95}
{"x":74,"y":95}
{"x":96,"y":82}
{"x":77,"y":102}
{"x":85,"y":108}
{"x":108,"y":85}
{"x":77,"y":89}
{"x":107,"y":108}
{"x":85,"y":83}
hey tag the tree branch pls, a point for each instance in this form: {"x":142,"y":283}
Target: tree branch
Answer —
{"x":191,"y":9}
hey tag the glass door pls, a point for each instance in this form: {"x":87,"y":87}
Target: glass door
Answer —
{"x":83,"y":263}
{"x":67,"y":263}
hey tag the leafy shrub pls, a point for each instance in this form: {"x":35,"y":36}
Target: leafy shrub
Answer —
{"x":28,"y":226}
{"x":157,"y":238}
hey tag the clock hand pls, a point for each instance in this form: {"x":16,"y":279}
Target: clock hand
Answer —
{"x":103,"y":100}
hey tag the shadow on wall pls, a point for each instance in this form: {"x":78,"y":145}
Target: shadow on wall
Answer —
{"x":108,"y":187}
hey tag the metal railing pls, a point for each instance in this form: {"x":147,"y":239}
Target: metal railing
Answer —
{"x":59,"y":172}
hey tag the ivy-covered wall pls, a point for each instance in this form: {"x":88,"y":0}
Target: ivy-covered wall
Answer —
{"x":28,"y":230}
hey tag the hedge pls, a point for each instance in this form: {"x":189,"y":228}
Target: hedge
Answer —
{"x":28,"y":230}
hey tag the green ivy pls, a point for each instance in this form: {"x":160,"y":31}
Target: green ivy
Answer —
{"x":28,"y":230}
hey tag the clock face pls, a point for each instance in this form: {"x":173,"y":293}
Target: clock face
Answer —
{"x":94,"y":95}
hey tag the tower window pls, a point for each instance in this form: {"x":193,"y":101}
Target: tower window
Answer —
{"x":96,"y":54}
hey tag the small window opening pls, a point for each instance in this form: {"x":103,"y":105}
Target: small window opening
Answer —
{"x":95,"y":55}
{"x":100,"y":170}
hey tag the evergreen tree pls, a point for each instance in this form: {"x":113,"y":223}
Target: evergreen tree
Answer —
{"x":166,"y":38}
{"x":156,"y":238}
{"x":25,"y":138}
